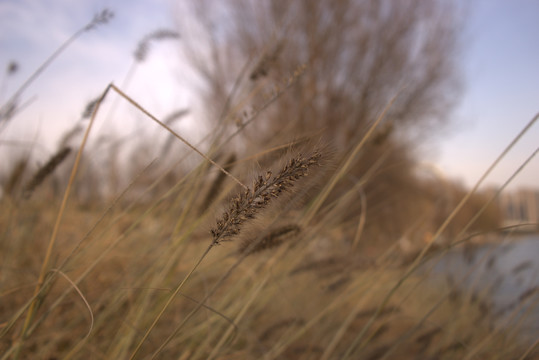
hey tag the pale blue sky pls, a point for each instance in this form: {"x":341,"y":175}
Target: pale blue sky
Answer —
{"x":501,"y":93}
{"x":500,"y":62}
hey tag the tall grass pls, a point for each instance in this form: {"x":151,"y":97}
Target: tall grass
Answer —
{"x":234,"y":266}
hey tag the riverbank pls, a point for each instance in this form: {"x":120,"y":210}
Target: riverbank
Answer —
{"x":503,"y":276}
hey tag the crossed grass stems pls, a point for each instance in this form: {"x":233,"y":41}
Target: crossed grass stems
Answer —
{"x":244,"y":207}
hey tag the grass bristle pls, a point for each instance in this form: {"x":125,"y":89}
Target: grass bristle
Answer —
{"x":248,"y":203}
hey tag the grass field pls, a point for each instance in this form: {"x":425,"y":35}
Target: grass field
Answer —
{"x":272,"y":253}
{"x":274,"y":270}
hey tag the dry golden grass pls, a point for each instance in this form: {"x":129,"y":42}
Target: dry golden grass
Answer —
{"x":217,"y":269}
{"x":286,"y":302}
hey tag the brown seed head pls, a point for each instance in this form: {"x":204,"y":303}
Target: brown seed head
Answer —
{"x":247,"y":203}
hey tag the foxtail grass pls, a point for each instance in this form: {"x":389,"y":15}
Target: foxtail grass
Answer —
{"x":274,"y":238}
{"x":242,"y":208}
{"x":45,"y":171}
{"x":266,"y":187}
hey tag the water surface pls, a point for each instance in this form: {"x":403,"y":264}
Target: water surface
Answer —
{"x":504,"y":275}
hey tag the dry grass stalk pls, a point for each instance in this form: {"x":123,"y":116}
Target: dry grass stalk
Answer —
{"x":273,"y":239}
{"x":39,"y":295}
{"x":46,"y":170}
{"x":242,"y":208}
{"x":247,"y":203}
{"x":165,"y":126}
{"x":217,"y":184}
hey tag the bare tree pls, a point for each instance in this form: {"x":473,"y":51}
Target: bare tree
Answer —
{"x":357,"y":55}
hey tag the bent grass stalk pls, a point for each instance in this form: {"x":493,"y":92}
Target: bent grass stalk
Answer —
{"x":74,"y":286}
{"x":61,"y":297}
{"x":35,"y":302}
{"x":147,"y":113}
{"x":40,"y":290}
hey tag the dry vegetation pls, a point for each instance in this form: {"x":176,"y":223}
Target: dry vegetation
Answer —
{"x":282,"y":241}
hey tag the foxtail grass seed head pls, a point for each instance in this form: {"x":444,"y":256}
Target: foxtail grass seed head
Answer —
{"x":248,"y":203}
{"x":89,"y":109}
{"x":100,"y":18}
{"x":273,"y":239}
{"x":12,"y":67}
{"x":46,"y":170}
{"x":143,"y":47}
